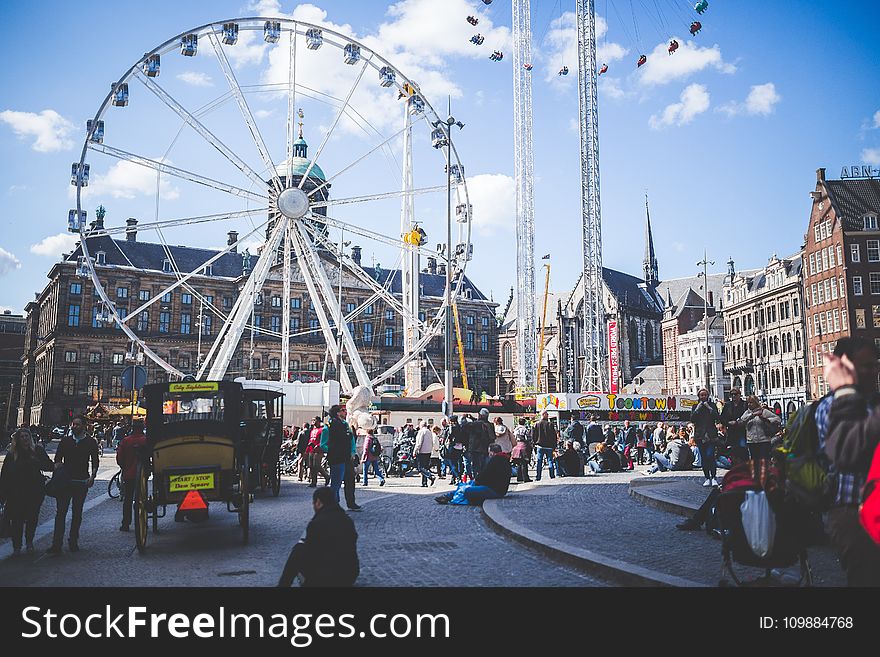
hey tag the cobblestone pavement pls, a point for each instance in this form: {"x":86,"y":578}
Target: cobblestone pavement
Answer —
{"x":597,"y":514}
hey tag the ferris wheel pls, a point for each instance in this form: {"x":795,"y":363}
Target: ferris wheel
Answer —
{"x":217,"y":166}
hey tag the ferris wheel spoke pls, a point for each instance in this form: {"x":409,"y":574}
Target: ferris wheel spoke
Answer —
{"x":417,"y":349}
{"x":197,"y":125}
{"x":297,"y":242}
{"x":378,"y":197}
{"x":177,"y":172}
{"x":186,"y":221}
{"x":335,"y":122}
{"x":357,"y":161}
{"x":367,"y":233}
{"x":285,"y":315}
{"x":327,"y":291}
{"x":245,"y":111}
{"x":291,"y":105}
{"x":183,"y":278}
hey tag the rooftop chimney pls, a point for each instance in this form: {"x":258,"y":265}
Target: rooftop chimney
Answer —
{"x":356,"y":255}
{"x":820,"y":174}
{"x":432,"y":265}
{"x":232,"y":239}
{"x":711,"y":299}
{"x":131,"y":231}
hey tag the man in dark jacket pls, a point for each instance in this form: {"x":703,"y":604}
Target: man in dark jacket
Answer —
{"x":594,"y":431}
{"x":853,"y":433}
{"x":74,"y":452}
{"x":545,"y":439}
{"x":327,"y":556}
{"x":481,"y":435}
{"x":336,"y":440}
{"x":732,"y":411}
{"x":704,"y":416}
{"x":492,"y":483}
{"x":127,"y":459}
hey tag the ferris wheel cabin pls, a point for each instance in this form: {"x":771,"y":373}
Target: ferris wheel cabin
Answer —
{"x":416,"y":105}
{"x":352,"y":53}
{"x":120,"y":94}
{"x":79,"y":174}
{"x":151,"y":65}
{"x":76,"y":221}
{"x":96,"y":136}
{"x":189,"y":45}
{"x":314,"y":38}
{"x":463,"y":212}
{"x":272,"y":31}
{"x":438,"y":138}
{"x":387,"y":76}
{"x":230,"y":34}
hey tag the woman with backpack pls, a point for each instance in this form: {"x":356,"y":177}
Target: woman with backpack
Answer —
{"x":21,"y":487}
{"x":315,"y":454}
{"x":370,"y":457}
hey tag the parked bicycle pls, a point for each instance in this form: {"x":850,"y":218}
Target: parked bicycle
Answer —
{"x":114,"y":488}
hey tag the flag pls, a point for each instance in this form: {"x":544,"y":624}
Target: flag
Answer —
{"x":546,"y":257}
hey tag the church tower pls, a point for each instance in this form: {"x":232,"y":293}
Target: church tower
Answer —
{"x":649,"y":265}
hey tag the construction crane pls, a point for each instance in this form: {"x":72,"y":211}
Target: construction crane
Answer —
{"x":594,"y":374}
{"x":543,"y":325}
{"x":464,"y":378}
{"x":525,"y":210}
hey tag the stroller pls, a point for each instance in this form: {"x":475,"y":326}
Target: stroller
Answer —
{"x":789,"y":545}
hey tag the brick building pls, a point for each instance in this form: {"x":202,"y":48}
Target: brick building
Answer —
{"x":841,"y":268}
{"x":12,"y":330}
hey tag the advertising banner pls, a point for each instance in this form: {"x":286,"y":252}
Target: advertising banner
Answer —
{"x":613,"y":356}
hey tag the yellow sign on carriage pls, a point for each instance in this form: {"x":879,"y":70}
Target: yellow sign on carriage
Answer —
{"x":194,"y":386}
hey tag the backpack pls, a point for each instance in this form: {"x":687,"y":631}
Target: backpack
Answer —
{"x":375,"y":446}
{"x":869,"y":509}
{"x":806,"y":470}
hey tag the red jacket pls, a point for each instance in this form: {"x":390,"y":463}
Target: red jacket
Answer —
{"x":126,"y":455}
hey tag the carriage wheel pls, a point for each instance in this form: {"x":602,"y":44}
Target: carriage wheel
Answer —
{"x":244,"y":505}
{"x":276,"y":481}
{"x":140,"y":508}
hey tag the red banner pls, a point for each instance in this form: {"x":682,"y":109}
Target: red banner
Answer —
{"x":613,"y":356}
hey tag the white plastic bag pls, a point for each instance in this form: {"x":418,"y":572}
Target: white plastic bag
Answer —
{"x":759,"y":522}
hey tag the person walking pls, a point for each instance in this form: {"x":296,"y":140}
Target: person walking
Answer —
{"x":454,"y":448}
{"x":761,"y":424}
{"x":481,"y":436}
{"x":300,"y":439}
{"x":422,"y":449}
{"x":704,"y":416}
{"x":435,"y":460}
{"x":336,"y":443}
{"x":21,"y":486}
{"x":641,"y":446}
{"x":545,"y":439}
{"x":503,"y":437}
{"x":730,"y":415}
{"x":75,"y":452}
{"x":315,"y":454}
{"x":127,"y":458}
{"x":370,"y":457}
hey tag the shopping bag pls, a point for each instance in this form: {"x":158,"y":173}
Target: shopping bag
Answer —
{"x":759,"y":523}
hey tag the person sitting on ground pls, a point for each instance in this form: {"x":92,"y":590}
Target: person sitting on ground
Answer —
{"x":491,"y":484}
{"x":604,"y":460}
{"x":570,"y":462}
{"x":706,"y":512}
{"x":678,"y":455}
{"x":327,"y":555}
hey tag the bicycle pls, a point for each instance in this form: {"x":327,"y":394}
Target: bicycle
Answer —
{"x":114,"y":488}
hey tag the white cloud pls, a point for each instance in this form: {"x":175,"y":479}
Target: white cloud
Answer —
{"x":263,"y":114}
{"x":877,"y":119}
{"x":54,"y":245}
{"x":694,"y":100}
{"x":662,"y":68}
{"x":494,"y":202}
{"x":762,"y":100}
{"x":871,"y":156}
{"x":196,"y":79}
{"x":8,"y":262}
{"x":52,"y":131}
{"x":128,"y":180}
{"x":562,"y":47}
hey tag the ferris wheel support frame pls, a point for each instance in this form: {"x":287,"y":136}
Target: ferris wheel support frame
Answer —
{"x":594,"y":374}
{"x":525,"y":201}
{"x":409,"y":261}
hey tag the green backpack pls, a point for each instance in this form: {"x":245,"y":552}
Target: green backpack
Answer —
{"x":806,"y":469}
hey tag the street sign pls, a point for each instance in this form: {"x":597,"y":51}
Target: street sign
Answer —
{"x":134,"y":377}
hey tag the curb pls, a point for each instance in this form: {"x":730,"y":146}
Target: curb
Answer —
{"x":625,"y":573}
{"x":640,"y":490}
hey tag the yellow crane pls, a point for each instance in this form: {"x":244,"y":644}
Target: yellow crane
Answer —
{"x":543,"y":325}
{"x":464,"y":378}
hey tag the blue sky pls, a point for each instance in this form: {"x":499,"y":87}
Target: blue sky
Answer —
{"x":725,"y":135}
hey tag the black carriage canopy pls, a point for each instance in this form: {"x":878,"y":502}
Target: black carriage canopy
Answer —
{"x":172,"y":408}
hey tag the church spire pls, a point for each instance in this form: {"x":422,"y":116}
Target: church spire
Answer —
{"x":649,"y":265}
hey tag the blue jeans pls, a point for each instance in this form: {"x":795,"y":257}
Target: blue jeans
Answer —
{"x":594,"y":466}
{"x":451,"y":465}
{"x":337,"y":474}
{"x":467,"y":467}
{"x":476,"y":495}
{"x":707,"y":454}
{"x":661,"y":462}
{"x":375,"y":468}
{"x":545,"y":453}
{"x":478,"y":462}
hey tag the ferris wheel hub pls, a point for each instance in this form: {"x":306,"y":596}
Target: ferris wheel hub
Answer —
{"x":293,"y":203}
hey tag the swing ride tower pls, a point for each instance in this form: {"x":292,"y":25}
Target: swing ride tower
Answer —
{"x":594,"y":374}
{"x":525,"y":207}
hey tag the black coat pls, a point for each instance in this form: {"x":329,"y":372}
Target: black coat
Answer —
{"x":704,"y":416}
{"x":327,"y":556}
{"x":544,"y":435}
{"x":481,"y":435}
{"x":731,"y":412}
{"x":496,"y":475}
{"x":338,"y":442}
{"x":22,"y":481}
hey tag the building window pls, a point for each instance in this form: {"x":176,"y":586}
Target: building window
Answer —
{"x":294,"y":365}
{"x":101,"y":258}
{"x":185,"y":323}
{"x":68,"y":385}
{"x":183,"y":362}
{"x":296,"y":303}
{"x":73,"y":315}
{"x":873,"y":250}
{"x":227,"y":302}
{"x":349,"y":307}
{"x":143,"y":321}
{"x":389,"y":337}
{"x":122,"y":292}
{"x":313,"y":366}
{"x":208,"y":270}
{"x":507,"y":357}
{"x":258,"y":321}
{"x":860,"y":318}
{"x":484,"y":342}
{"x":389,"y":315}
{"x":207,"y":324}
{"x":275,"y":363}
{"x":276,"y":322}
{"x":166,"y":265}
{"x":870,"y":222}
{"x":469,"y":341}
{"x":875,"y":282}
{"x":857,"y":285}
{"x":854,"y":253}
{"x":368,"y":333}
{"x":166,"y":298}
{"x":76,"y":288}
{"x":470,"y":320}
{"x":164,"y":322}
{"x":69,"y":356}
{"x":276,"y":301}
{"x":186,"y":299}
{"x":368,"y":310}
{"x":144,"y":295}
{"x":95,"y":357}
{"x":294,"y":323}
{"x":118,"y":359}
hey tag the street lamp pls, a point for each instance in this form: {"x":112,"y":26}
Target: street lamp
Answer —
{"x":704,"y":262}
{"x":442,"y":137}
